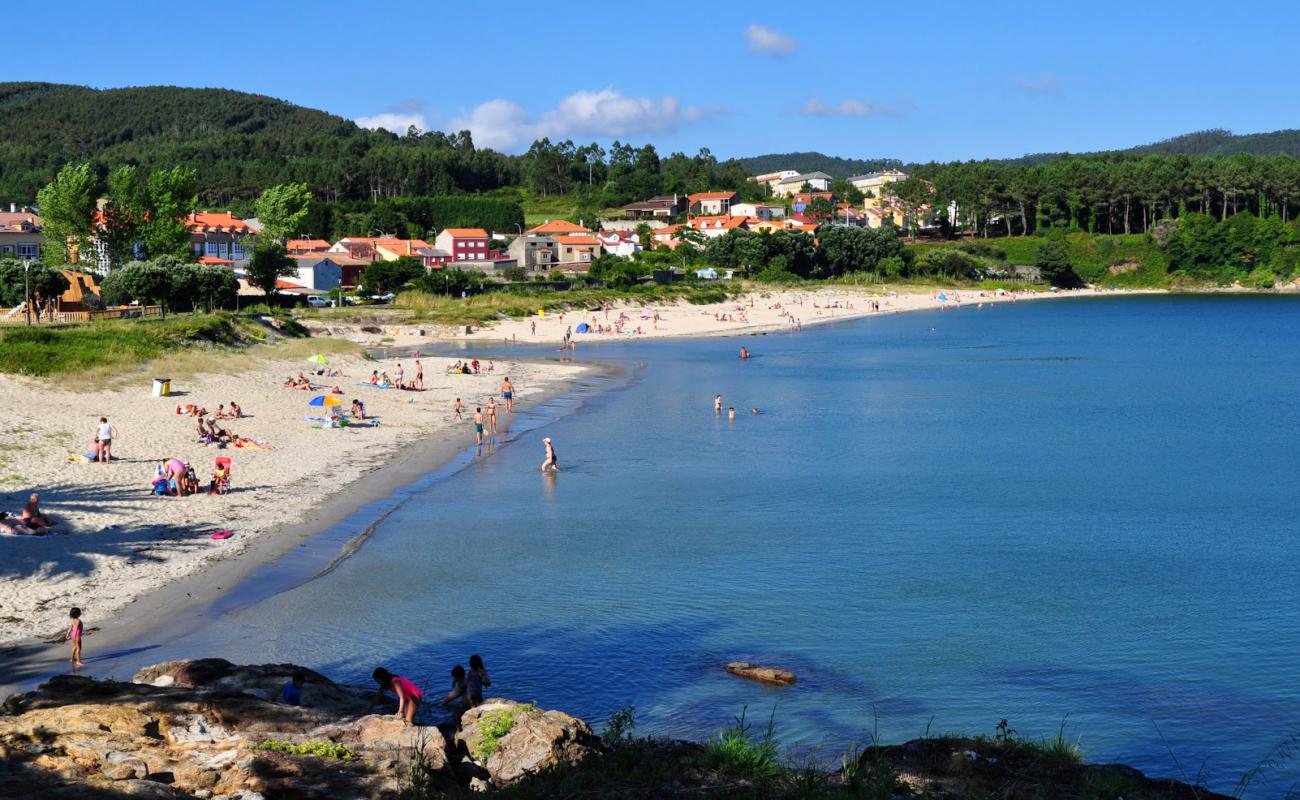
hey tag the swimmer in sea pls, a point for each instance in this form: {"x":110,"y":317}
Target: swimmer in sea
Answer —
{"x":550,"y":463}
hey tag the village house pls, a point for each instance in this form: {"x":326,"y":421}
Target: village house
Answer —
{"x":712,"y":203}
{"x":817,"y":182}
{"x":624,"y":244}
{"x":316,"y":271}
{"x":771,"y":179}
{"x":875,"y":184}
{"x":20,"y":235}
{"x":762,"y":211}
{"x":557,"y":227}
{"x":849,"y":214}
{"x":296,"y":246}
{"x":801,"y":200}
{"x":219,"y":238}
{"x":577,"y":249}
{"x":716,"y":226}
{"x":664,"y":206}
{"x":538,"y":254}
{"x":464,"y":244}
{"x":667,"y":236}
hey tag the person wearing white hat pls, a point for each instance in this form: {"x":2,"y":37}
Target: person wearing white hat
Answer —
{"x":550,"y":462}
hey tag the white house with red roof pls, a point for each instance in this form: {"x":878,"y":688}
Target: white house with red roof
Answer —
{"x":712,"y":203}
{"x":219,"y":238}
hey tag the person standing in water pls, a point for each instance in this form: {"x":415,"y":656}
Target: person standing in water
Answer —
{"x":508,"y":394}
{"x":478,"y":424}
{"x":550,"y":463}
{"x":717,"y":404}
{"x":492,"y":416}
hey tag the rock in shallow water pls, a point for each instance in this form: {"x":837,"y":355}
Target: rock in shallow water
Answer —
{"x":756,"y":672}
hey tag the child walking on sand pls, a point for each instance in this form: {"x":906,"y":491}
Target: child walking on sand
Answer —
{"x":74,"y":636}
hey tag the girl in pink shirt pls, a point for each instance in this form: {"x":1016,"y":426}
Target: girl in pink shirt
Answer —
{"x":408,"y":694}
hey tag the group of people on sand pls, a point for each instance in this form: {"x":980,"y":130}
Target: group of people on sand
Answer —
{"x":234,"y":412}
{"x":466,"y":690}
{"x":31,"y":520}
{"x":469,"y":368}
{"x":300,"y":382}
{"x":398,"y":379}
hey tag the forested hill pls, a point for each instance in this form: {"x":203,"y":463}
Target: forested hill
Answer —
{"x":239,"y":142}
{"x":818,"y":162}
{"x":1219,"y":142}
{"x":1214,"y":142}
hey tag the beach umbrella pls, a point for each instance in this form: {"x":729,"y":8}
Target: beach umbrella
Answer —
{"x":319,"y":359}
{"x":325,"y":401}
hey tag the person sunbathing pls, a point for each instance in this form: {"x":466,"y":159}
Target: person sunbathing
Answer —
{"x":235,"y":411}
{"x":384,"y":379}
{"x":13,"y":528}
{"x":374,"y":378}
{"x":220,"y":412}
{"x":205,"y":436}
{"x":32,"y":516}
{"x":358,"y":409}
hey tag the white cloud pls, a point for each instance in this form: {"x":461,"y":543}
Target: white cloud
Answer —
{"x":765,"y":40}
{"x":1045,"y":84}
{"x":506,"y":125}
{"x":395,"y":121}
{"x":849,"y":107}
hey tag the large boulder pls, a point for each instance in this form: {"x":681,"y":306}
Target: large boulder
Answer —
{"x":510,"y":740}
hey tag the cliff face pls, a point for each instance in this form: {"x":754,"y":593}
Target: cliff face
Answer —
{"x":210,"y":729}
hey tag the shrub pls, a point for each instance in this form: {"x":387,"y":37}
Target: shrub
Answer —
{"x":736,"y":753}
{"x":316,"y":748}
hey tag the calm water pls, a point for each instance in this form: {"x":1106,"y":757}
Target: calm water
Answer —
{"x":1080,"y":508}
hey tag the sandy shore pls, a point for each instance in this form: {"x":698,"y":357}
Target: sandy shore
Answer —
{"x":115,"y":542}
{"x":758,"y":312}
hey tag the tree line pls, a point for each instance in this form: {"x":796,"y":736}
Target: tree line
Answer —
{"x":1106,"y":194}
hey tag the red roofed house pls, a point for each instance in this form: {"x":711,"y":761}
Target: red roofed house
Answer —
{"x":464,"y":244}
{"x":578,"y":248}
{"x":667,"y":236}
{"x":294,"y":246}
{"x":712,"y":202}
{"x":20,"y":235}
{"x":714,"y":227}
{"x":219,"y":238}
{"x":557,"y":227}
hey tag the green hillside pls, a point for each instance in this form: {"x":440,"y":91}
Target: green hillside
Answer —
{"x":818,"y":162}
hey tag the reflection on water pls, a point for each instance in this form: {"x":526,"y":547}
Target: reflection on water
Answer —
{"x":1097,"y":522}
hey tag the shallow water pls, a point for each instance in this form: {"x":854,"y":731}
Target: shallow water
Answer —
{"x":1026,"y":511}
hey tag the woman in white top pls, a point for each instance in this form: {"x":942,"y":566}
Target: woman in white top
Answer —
{"x":104,"y":436}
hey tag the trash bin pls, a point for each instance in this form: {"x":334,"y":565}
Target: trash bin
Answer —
{"x":162,"y":387}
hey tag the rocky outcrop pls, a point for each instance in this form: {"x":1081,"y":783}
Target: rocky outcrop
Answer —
{"x":210,"y":729}
{"x":757,"y":672}
{"x":501,"y":742}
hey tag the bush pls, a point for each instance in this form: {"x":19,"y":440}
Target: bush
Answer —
{"x":736,"y":753}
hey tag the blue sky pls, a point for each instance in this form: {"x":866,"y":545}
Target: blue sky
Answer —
{"x":854,"y":79}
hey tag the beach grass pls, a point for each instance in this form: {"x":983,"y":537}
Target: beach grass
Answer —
{"x":103,"y":354}
{"x":491,"y":306}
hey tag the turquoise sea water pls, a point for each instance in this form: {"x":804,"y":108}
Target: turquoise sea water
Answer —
{"x":1029,"y":511}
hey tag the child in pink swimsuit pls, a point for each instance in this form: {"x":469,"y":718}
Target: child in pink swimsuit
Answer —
{"x":408,"y":694}
{"x":74,"y":636}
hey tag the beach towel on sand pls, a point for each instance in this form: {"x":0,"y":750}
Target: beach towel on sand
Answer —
{"x":223,"y":534}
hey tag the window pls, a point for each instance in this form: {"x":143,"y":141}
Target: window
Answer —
{"x":221,"y":249}
{"x":28,"y":250}
{"x":237,"y":250}
{"x":8,"y":250}
{"x":210,"y":248}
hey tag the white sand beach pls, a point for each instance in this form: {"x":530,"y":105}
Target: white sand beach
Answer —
{"x":756,"y":312}
{"x":114,"y":541}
